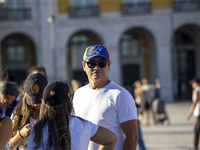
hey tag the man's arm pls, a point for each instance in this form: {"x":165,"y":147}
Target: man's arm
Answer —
{"x":193,"y":105}
{"x":130,"y":130}
{"x":106,"y":138}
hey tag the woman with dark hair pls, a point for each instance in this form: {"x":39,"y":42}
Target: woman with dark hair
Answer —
{"x":60,"y":129}
{"x":26,"y":113}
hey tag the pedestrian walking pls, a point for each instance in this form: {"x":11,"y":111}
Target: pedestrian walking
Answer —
{"x":149,"y":94}
{"x":195,"y":109}
{"x":157,"y":88}
{"x":75,"y":84}
{"x":139,"y":100}
{"x":105,"y":103}
{"x":58,"y":129}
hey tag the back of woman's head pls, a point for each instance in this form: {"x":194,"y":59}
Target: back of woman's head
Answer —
{"x":56,"y":93}
{"x":8,"y":75}
{"x":56,"y":104}
{"x":56,"y":107}
{"x":38,"y":69}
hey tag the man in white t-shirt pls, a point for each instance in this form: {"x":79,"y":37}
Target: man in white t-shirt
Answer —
{"x":105,"y":103}
{"x":195,"y":110}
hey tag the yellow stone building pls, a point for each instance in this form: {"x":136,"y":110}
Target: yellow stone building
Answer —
{"x":157,"y":39}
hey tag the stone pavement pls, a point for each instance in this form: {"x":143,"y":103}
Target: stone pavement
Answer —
{"x":176,"y":136}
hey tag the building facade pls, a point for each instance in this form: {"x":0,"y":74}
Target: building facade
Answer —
{"x":145,"y":38}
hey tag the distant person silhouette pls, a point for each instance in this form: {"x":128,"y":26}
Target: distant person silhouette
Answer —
{"x":195,"y":110}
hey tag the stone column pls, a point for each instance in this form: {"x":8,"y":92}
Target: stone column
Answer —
{"x":45,"y":53}
{"x":164,"y":59}
{"x":111,"y":43}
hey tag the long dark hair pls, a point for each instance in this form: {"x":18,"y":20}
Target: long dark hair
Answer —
{"x":57,"y":119}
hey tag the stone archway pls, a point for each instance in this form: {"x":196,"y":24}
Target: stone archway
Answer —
{"x":76,"y":47}
{"x":186,"y":52}
{"x":18,"y":53}
{"x":137,"y":51}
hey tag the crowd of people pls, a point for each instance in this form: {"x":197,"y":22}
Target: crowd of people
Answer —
{"x":144,"y":95}
{"x":100,"y":115}
{"x":53,"y":115}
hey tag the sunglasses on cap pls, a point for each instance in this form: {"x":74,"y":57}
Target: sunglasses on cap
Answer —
{"x":92,"y":63}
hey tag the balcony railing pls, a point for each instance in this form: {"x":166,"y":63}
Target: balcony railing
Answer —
{"x":135,"y":8}
{"x":186,"y":5}
{"x":15,"y":14}
{"x":84,"y":11}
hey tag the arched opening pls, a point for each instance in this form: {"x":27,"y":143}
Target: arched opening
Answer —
{"x":137,"y":51}
{"x":76,"y":48}
{"x":18,"y":53}
{"x":186,"y":54}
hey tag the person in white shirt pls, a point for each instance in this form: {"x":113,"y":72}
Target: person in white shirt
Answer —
{"x":105,"y":103}
{"x":149,"y":94}
{"x":57,"y":129}
{"x":195,"y":110}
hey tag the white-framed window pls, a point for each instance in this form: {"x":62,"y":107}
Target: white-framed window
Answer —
{"x":15,"y":3}
{"x":129,"y":45}
{"x":130,"y":1}
{"x":15,"y":51}
{"x":78,"y":46}
{"x":83,"y":2}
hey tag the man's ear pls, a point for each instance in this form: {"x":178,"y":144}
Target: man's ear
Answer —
{"x":109,"y":63}
{"x":83,"y":64}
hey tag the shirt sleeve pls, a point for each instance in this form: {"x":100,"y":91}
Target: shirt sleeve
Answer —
{"x":92,"y":128}
{"x":126,"y":108}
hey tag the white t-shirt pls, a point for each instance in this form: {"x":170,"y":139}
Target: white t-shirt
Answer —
{"x":149,"y":92}
{"x":80,"y":131}
{"x":108,"y":107}
{"x":196,"y":112}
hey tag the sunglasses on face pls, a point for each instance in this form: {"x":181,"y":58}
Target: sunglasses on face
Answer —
{"x":92,"y":64}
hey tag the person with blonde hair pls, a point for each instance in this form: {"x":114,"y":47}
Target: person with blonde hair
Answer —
{"x":26,"y":112}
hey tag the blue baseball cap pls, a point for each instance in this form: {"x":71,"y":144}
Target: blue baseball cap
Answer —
{"x":94,"y":51}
